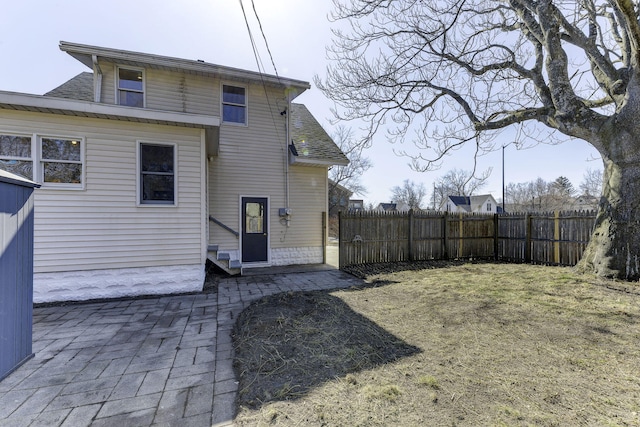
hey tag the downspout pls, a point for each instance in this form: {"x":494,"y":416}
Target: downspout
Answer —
{"x":286,"y":156}
{"x":97,"y":86}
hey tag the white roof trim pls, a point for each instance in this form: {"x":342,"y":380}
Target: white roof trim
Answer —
{"x":297,"y":160}
{"x":92,"y":109}
{"x":84,"y":53}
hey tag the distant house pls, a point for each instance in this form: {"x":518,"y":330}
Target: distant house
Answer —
{"x":391,"y":207}
{"x":150,"y":165}
{"x":586,"y":202}
{"x":484,"y":203}
{"x":356,"y":204}
{"x":338,"y":198}
{"x":386,"y":207}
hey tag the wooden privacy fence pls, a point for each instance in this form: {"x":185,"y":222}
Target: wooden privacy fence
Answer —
{"x":542,"y":238}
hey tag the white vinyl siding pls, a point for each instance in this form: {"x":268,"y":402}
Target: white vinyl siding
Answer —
{"x":102,"y":227}
{"x":170,"y":91}
{"x":251,"y":161}
{"x":309,"y":196}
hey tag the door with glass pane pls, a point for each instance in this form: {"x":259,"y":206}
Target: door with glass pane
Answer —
{"x":254,"y":229}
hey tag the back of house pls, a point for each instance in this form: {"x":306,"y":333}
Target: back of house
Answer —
{"x":149,"y":165}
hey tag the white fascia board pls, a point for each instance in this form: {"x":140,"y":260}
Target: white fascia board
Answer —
{"x":316,"y":162}
{"x":83,"y":53}
{"x":105,"y":110}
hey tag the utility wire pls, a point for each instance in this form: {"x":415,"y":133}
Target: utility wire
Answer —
{"x":253,"y":42}
{"x":259,"y":61}
{"x":265,"y":39}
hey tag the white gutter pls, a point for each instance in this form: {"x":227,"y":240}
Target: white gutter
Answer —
{"x":286,"y":154}
{"x":46,"y":104}
{"x":97,"y":87}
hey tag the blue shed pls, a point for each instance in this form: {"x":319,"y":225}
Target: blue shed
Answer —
{"x":16,"y":271}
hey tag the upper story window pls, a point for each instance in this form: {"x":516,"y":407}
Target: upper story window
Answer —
{"x":53,"y":162}
{"x":488,"y":206}
{"x":130,"y":87}
{"x":157,"y":173}
{"x":234,"y":104}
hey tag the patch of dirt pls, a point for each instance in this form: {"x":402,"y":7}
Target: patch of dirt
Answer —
{"x":461,"y":344}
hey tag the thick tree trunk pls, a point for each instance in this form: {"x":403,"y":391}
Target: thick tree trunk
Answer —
{"x":614,"y":249}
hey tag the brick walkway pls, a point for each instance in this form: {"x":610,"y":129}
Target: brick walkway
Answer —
{"x":160,"y":361}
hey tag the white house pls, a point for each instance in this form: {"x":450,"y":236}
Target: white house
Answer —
{"x":484,"y":203}
{"x":149,"y":165}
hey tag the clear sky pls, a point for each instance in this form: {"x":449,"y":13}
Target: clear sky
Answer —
{"x":215,"y":31}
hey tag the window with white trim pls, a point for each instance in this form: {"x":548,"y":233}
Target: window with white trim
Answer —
{"x":52,"y":161}
{"x":488,"y":206}
{"x":15,"y":155}
{"x":234,"y":104}
{"x":130,"y":87}
{"x":157,"y":176}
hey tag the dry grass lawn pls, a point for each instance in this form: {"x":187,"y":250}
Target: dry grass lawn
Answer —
{"x":467,"y":344}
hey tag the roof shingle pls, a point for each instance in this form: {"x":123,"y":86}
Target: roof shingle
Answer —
{"x":80,"y":88}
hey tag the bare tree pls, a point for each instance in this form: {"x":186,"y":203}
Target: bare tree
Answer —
{"x":458,"y":182}
{"x":347,"y":177}
{"x":591,"y":184}
{"x":410,"y":195}
{"x":540,"y":195}
{"x":458,"y":71}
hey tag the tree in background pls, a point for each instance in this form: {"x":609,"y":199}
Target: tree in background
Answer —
{"x":458,"y":182}
{"x":409,"y":196}
{"x":542,"y":196}
{"x":591,"y":184}
{"x":345,"y":180}
{"x":457,"y":72}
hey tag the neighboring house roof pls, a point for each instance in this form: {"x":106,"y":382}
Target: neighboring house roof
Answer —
{"x":471,"y":203}
{"x":80,"y":87}
{"x":310,"y":143}
{"x":387,"y":207}
{"x":87,"y":54}
{"x":341,"y":188}
{"x":461,"y":201}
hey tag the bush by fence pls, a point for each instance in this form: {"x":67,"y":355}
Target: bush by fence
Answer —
{"x":544,"y":238}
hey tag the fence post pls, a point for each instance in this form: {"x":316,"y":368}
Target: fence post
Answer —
{"x":495,"y":237}
{"x":556,"y":237}
{"x":527,"y":238}
{"x":410,"y":234}
{"x":445,"y":236}
{"x":460,"y":236}
{"x":324,"y":237}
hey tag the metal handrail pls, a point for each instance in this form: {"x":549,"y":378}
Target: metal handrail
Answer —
{"x":226,"y":227}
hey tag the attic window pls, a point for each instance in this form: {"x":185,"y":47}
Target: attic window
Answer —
{"x":234,"y":104}
{"x":130,"y":87}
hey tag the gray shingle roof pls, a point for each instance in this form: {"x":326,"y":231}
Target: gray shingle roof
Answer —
{"x":80,"y":87}
{"x":310,"y":142}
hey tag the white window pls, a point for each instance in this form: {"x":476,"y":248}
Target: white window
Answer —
{"x":488,"y":206}
{"x":15,"y":155}
{"x":157,"y":173}
{"x":234,"y":104}
{"x":52,"y":162}
{"x":130,"y":87}
{"x":61,"y":161}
